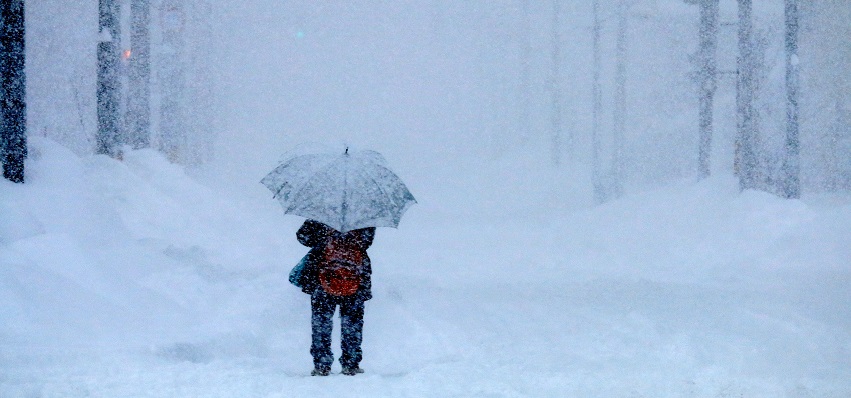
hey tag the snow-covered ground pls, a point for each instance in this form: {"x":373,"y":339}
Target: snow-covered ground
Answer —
{"x":134,"y":279}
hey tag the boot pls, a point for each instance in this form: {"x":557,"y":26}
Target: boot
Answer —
{"x":320,"y":372}
{"x":352,"y":371}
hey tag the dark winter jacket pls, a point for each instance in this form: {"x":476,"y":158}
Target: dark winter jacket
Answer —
{"x":314,"y":235}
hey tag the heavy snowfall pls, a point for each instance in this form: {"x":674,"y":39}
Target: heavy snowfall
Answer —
{"x":565,"y":242}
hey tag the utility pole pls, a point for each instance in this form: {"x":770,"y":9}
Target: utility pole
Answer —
{"x":745,"y":161}
{"x":13,"y":134}
{"x":138,"y":103}
{"x":791,"y":161}
{"x":709,"y":10}
{"x":108,"y":88}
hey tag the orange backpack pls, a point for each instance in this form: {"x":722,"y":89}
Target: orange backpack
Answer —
{"x":341,"y":268}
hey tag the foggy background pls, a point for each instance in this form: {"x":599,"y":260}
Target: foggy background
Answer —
{"x":165,"y":273}
{"x":458,"y":95}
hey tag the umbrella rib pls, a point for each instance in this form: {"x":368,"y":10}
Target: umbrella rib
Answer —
{"x":276,"y":172}
{"x":304,"y":186}
{"x":375,"y":181}
{"x":392,"y":173}
{"x":276,"y":191}
{"x":384,"y":193}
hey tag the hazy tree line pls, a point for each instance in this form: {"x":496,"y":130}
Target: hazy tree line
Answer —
{"x":775,"y":169}
{"x":124,"y":74}
{"x":149,"y":84}
{"x":179,"y":75}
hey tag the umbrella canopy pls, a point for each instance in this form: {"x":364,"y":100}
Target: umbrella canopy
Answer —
{"x":346,"y":191}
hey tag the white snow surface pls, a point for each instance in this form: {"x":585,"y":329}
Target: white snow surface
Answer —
{"x":137,"y":278}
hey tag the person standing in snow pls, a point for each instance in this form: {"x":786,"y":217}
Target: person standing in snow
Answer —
{"x":337,"y":273}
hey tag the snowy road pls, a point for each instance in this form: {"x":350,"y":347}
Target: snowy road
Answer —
{"x":603,"y":339}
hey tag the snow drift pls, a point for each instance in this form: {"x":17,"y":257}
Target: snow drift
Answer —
{"x":132,"y":278}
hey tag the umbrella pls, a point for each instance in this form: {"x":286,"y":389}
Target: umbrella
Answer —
{"x":346,"y":191}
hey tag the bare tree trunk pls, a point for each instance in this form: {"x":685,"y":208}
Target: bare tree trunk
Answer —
{"x":199,"y":86}
{"x":791,"y":162}
{"x":619,"y":126}
{"x":172,"y":77}
{"x":745,"y":161}
{"x":108,"y":91}
{"x":138,"y":104}
{"x":525,"y":71}
{"x":13,"y":134}
{"x":556,"y":86}
{"x":709,"y":10}
{"x":597,"y":101}
{"x":842,"y":104}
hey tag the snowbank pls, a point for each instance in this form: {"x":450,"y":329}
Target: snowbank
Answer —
{"x":130,"y":278}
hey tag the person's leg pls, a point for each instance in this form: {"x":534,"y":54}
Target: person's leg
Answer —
{"x":322,"y":309}
{"x":351,"y":321}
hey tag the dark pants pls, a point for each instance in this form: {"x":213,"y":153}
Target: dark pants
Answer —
{"x":351,"y":319}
